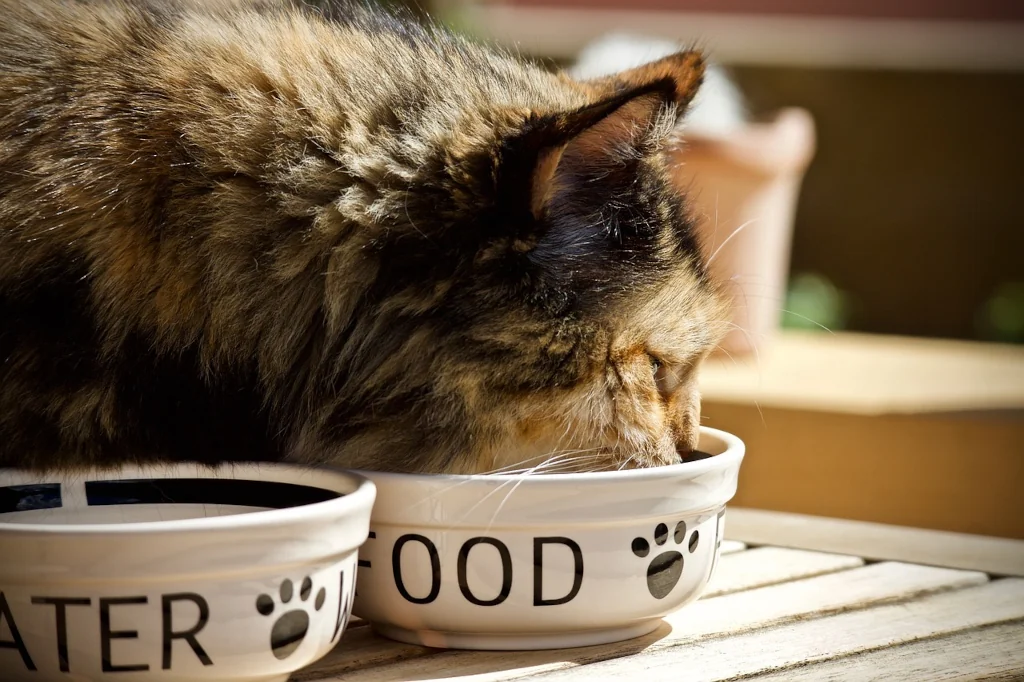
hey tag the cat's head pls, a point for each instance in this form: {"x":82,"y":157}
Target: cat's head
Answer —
{"x":567,"y":306}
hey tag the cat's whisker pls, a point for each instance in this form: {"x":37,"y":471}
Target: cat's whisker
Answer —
{"x":501,"y":505}
{"x":544,"y":457}
{"x":512,"y":467}
{"x":515,"y":481}
{"x":790,"y":312}
{"x":549,"y":467}
{"x":711,"y":258}
{"x":483,"y":499}
{"x":570,"y":464}
{"x":746,"y":333}
{"x":757,"y":363}
{"x":777,"y":299}
{"x":518,"y":482}
{"x":565,"y":459}
{"x":549,"y":460}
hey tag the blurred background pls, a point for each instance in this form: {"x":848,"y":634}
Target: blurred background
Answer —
{"x":910,"y":219}
{"x":858,"y":168}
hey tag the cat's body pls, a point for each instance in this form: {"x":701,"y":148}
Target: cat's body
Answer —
{"x":253,"y":233}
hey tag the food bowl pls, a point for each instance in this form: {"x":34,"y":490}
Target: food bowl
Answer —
{"x":178,"y":572}
{"x":545,"y":561}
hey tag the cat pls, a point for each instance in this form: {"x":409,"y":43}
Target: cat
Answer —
{"x":258,"y":231}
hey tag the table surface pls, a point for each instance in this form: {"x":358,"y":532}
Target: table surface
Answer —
{"x":949,"y":606}
{"x":869,"y":374}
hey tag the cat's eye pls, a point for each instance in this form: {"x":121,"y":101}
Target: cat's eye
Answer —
{"x":667,"y":378}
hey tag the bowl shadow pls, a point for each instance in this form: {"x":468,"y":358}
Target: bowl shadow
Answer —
{"x":361,"y":650}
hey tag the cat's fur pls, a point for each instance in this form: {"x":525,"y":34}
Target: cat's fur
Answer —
{"x":254,"y":232}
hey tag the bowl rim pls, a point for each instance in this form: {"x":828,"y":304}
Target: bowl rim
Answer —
{"x":731,"y":455}
{"x":362,"y":497}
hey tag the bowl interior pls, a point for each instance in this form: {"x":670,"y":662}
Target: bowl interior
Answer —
{"x":162,"y":493}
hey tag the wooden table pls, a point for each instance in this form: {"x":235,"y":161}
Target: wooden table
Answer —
{"x":794,"y":598}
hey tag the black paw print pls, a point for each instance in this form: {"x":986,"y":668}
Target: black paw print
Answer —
{"x":666,"y":568}
{"x":291,"y":627}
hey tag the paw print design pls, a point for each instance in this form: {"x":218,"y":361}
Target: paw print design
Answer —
{"x":291,"y":627}
{"x":666,"y":568}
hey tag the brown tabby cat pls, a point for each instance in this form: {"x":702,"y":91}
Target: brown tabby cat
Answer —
{"x":248,"y":232}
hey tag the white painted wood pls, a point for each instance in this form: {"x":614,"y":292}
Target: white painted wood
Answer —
{"x":801,"y":643}
{"x":770,"y":565}
{"x":998,"y":556}
{"x":733,"y":546}
{"x":985,"y":653}
{"x":703,"y":621}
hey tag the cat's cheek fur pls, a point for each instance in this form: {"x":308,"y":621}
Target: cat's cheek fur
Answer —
{"x":606,"y":424}
{"x":561,"y":431}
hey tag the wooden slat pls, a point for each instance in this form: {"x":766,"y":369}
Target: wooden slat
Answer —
{"x":699,"y":622}
{"x":998,"y":556}
{"x":995,"y":652}
{"x":815,"y":598}
{"x":771,"y":565}
{"x":869,"y":374}
{"x":823,"y":639}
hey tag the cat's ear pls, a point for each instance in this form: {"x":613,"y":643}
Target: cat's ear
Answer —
{"x":596,"y":140}
{"x":604,"y":135}
{"x":600,"y":142}
{"x":684,"y":70}
{"x":596,"y":147}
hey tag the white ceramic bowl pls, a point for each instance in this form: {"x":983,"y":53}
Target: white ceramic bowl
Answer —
{"x":550,"y":561}
{"x":171,"y":573}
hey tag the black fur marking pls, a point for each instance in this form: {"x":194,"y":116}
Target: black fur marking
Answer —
{"x":157,"y":403}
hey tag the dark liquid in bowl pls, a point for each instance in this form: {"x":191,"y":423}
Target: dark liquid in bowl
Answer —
{"x":152,"y":499}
